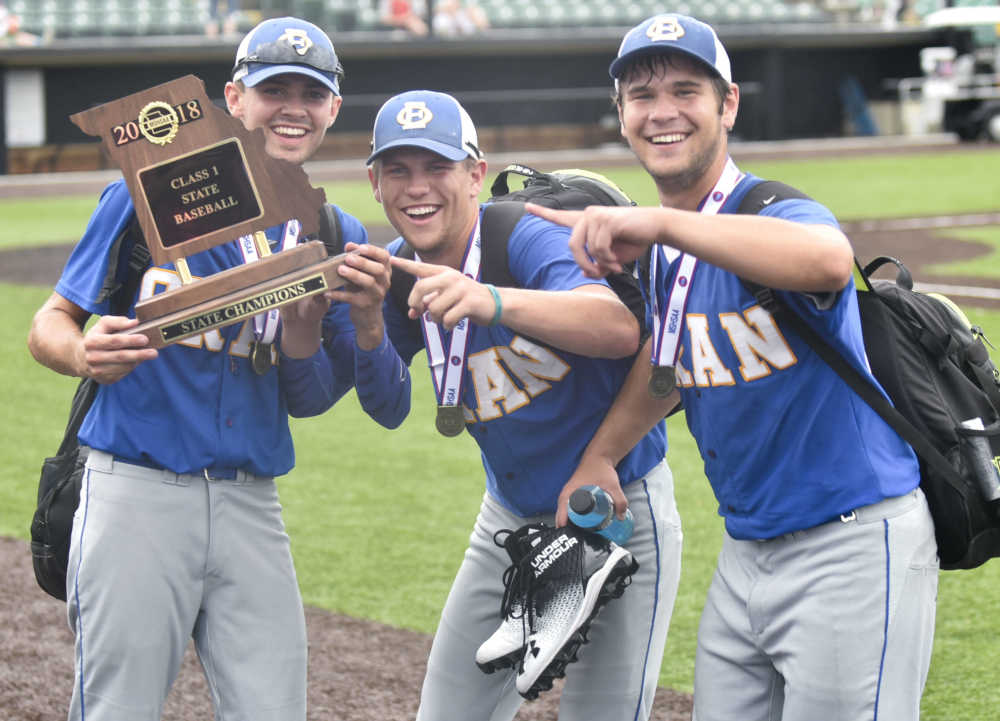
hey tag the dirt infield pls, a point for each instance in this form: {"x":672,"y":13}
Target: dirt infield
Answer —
{"x":358,"y":670}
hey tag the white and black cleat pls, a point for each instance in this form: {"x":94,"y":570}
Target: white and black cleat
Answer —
{"x":574,"y":574}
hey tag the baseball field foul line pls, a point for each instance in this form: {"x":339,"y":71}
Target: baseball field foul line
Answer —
{"x":964,"y":291}
{"x":935,"y":222}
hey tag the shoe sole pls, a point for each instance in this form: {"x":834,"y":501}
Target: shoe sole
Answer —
{"x":618,"y":570}
{"x":508,"y":660}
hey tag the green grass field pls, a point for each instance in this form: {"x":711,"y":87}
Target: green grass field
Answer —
{"x":379,"y":519}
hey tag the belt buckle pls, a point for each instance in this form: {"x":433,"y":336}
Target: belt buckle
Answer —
{"x":227,"y":474}
{"x":848,"y":517}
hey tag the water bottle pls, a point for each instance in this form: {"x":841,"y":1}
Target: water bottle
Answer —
{"x":979,"y":456}
{"x":591,"y":509}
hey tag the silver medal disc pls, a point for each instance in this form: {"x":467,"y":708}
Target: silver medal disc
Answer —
{"x":450,"y":420}
{"x":662,"y":381}
{"x":260,"y":357}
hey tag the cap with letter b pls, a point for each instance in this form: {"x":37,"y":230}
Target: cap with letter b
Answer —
{"x":425,"y":119}
{"x":672,"y":32}
{"x":287,"y":45}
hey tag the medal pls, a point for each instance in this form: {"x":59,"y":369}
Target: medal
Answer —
{"x":450,"y":420}
{"x":662,"y":381}
{"x":670,"y":304}
{"x":265,"y":325}
{"x":260,"y":357}
{"x":448,"y":365}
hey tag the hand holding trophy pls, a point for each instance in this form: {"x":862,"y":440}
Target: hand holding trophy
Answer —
{"x":198,"y":179}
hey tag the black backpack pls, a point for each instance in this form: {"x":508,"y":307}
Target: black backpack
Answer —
{"x":59,"y":483}
{"x":562,"y":189}
{"x":937,"y":371}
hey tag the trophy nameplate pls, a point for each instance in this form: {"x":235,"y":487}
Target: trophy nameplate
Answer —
{"x":199,"y":179}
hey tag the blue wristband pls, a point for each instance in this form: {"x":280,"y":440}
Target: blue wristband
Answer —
{"x":496,"y":302}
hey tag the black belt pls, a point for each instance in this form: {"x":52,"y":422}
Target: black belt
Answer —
{"x":215,"y":473}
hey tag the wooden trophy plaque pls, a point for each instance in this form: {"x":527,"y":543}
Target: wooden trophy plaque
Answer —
{"x":199,"y":179}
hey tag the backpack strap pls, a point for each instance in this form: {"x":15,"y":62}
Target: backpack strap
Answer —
{"x":771,"y":302}
{"x":83,"y":398}
{"x":121,"y":293}
{"x":501,"y":186}
{"x":121,"y":298}
{"x":499,"y":221}
{"x":401,"y":282}
{"x":139,"y":259}
{"x":330,"y":231}
{"x":765,"y":193}
{"x":757,"y":198}
{"x":903,"y":277}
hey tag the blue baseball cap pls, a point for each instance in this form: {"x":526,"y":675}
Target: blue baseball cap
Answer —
{"x":425,"y":119}
{"x":287,"y":45}
{"x":684,"y":34}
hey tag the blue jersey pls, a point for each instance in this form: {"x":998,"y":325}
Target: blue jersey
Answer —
{"x":533,"y":408}
{"x":786,"y":444}
{"x":200,"y":404}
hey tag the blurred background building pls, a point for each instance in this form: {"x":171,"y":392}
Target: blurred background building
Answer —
{"x":533,"y":73}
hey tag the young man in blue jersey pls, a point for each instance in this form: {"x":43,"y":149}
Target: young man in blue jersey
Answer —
{"x":179,"y":532}
{"x":529,"y":371}
{"x":823,"y":600}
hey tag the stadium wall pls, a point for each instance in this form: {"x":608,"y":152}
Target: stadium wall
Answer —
{"x":524,"y":87}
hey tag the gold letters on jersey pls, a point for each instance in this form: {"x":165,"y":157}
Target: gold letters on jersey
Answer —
{"x":199,"y":179}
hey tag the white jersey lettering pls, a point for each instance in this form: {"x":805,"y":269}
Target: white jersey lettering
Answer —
{"x":493,"y":371}
{"x":759,"y":348}
{"x":493,"y":387}
{"x":684,"y":378}
{"x":705,"y":361}
{"x":533,"y":365}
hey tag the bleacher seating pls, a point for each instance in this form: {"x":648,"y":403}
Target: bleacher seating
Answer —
{"x":88,"y":18}
{"x":82,"y":18}
{"x":603,"y":13}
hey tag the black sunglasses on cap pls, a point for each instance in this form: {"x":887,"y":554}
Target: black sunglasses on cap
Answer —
{"x":282,"y":52}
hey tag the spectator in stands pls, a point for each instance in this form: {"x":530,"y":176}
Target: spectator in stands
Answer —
{"x":458,"y":17}
{"x":228,"y":21}
{"x":408,"y":15}
{"x":10,"y":30}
